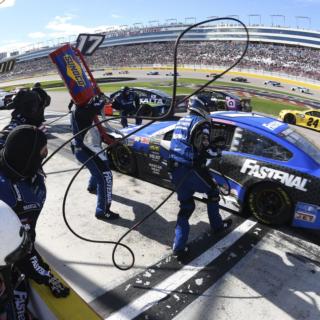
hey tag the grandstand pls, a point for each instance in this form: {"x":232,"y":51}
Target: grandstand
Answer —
{"x":276,"y":50}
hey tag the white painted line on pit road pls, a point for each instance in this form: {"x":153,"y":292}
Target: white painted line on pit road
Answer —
{"x":163,"y":289}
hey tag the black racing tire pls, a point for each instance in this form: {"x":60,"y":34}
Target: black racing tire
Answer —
{"x":270,"y":204}
{"x":145,"y":110}
{"x":123,"y":159}
{"x":289,"y":118}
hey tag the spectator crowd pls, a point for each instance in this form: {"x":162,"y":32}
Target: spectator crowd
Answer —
{"x":291,"y":60}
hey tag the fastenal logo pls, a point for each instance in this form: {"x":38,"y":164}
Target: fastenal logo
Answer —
{"x":251,"y":168}
{"x":74,"y":70}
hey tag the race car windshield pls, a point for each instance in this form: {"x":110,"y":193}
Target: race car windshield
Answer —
{"x":302,"y":143}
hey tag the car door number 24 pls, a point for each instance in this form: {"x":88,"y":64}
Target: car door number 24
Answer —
{"x":312,"y":122}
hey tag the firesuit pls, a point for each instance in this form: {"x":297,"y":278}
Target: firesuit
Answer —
{"x":190,"y":148}
{"x":22,"y":187}
{"x":128,"y":103}
{"x":101,"y":175}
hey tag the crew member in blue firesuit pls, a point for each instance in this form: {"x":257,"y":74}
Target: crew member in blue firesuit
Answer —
{"x":22,"y":188}
{"x":100,"y":182}
{"x":28,"y":107}
{"x":191,"y":146}
{"x":128,"y":103}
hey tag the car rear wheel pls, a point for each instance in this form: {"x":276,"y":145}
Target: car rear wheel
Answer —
{"x":123,"y":159}
{"x":270,"y":204}
{"x":289,"y":118}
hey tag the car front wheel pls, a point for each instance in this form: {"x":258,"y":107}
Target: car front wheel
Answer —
{"x":289,"y":118}
{"x":123,"y":159}
{"x":270,"y":204}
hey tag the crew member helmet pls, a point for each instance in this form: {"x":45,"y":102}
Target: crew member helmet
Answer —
{"x":15,"y":241}
{"x":199,"y":105}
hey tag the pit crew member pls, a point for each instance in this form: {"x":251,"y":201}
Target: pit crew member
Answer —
{"x":23,"y":189}
{"x":128,"y":103}
{"x":190,"y":147}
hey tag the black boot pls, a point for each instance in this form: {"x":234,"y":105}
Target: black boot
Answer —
{"x":107,"y":216}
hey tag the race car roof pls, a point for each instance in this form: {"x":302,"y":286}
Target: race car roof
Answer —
{"x":251,"y":119}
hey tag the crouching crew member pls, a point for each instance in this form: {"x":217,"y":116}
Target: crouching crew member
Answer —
{"x":128,"y":103}
{"x":190,"y":147}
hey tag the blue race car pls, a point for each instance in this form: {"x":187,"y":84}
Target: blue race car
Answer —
{"x":271,"y":170}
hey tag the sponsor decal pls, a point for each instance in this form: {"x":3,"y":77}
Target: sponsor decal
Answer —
{"x":273,"y":125}
{"x":306,"y":212}
{"x":154,"y":156}
{"x":145,"y":140}
{"x":153,"y":147}
{"x":305,"y":217}
{"x":252,"y":168}
{"x":155,"y":168}
{"x":30,"y":206}
{"x":74,"y":70}
{"x":20,"y":299}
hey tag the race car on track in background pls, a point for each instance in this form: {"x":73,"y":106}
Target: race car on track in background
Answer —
{"x":211,"y":75}
{"x":220,"y":100}
{"x":239,"y":79}
{"x":301,"y":89}
{"x":272,"y":83}
{"x":123,"y":72}
{"x":5,"y":97}
{"x":271,"y":171}
{"x":308,"y":119}
{"x":153,"y":73}
{"x":171,"y":74}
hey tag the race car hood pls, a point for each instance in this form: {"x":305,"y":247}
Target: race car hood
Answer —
{"x":150,"y":130}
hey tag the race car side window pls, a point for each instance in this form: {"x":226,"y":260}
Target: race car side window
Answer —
{"x":246,"y":141}
{"x":223,"y":130}
{"x":168,"y":135}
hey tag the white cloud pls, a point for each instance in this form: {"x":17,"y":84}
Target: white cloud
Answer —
{"x":61,"y":26}
{"x":15,"y":45}
{"x":7,"y":3}
{"x":36,"y":35}
{"x":115,"y":16}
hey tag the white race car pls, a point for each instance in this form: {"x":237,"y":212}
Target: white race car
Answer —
{"x":272,"y":83}
{"x":301,"y":89}
{"x":5,"y":98}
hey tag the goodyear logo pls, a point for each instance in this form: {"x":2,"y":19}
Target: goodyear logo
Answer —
{"x":74,"y":70}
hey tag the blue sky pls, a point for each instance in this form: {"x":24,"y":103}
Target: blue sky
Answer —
{"x":24,"y":22}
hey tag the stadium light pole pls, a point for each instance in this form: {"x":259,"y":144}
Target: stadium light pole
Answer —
{"x":254,"y":16}
{"x":137,"y":24}
{"x":172,"y":21}
{"x":278,"y":16}
{"x":193,"y":20}
{"x":153,"y":22}
{"x":303,"y":18}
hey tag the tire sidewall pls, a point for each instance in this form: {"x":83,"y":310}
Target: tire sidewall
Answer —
{"x":130,"y":168}
{"x":285,"y":211}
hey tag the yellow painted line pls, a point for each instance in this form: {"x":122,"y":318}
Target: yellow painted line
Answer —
{"x":71,"y":308}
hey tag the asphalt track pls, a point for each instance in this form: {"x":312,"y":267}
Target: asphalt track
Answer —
{"x":250,"y":272}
